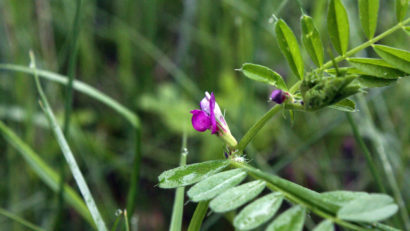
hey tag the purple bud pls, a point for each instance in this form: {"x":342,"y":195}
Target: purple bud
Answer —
{"x":200,"y":120}
{"x":278,"y":96}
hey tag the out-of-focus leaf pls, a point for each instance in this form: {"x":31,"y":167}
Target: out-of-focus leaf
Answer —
{"x":376,"y":67}
{"x":368,"y":10}
{"x":345,"y":105}
{"x":311,"y":40}
{"x":289,"y":47}
{"x":370,"y":81}
{"x":325,"y":225}
{"x":258,"y":212}
{"x":237,"y":196}
{"x":342,"y":197}
{"x":190,"y":174}
{"x":263,"y":74}
{"x":338,"y":26}
{"x":401,"y":9}
{"x":398,"y":58}
{"x":170,"y":108}
{"x":216,"y":184}
{"x":370,"y":208}
{"x":292,"y":219}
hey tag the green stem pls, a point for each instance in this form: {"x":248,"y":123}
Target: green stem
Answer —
{"x":366,"y":152}
{"x":276,"y":184}
{"x":198,"y":217}
{"x":177,"y":210}
{"x":364,"y":45}
{"x":248,"y":137}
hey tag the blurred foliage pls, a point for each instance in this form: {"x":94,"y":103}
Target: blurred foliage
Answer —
{"x":125,"y":47}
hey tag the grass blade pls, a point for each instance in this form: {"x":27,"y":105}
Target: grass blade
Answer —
{"x":71,"y":66}
{"x":79,"y":86}
{"x":68,"y":155}
{"x":46,"y":173}
{"x":177,"y":211}
{"x":20,"y":220}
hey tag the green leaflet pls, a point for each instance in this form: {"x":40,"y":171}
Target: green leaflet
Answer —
{"x":263,"y":74}
{"x":370,"y":81}
{"x":376,"y":67}
{"x":292,"y":219}
{"x":325,"y":225}
{"x":306,"y":194}
{"x":190,"y":174}
{"x":237,"y":196}
{"x":398,"y":58}
{"x":341,"y":197}
{"x":258,"y":212}
{"x":216,"y":184}
{"x":401,"y":9}
{"x":368,"y":10}
{"x":338,"y":26}
{"x":289,"y":47}
{"x":370,"y":208}
{"x":311,"y":40}
{"x":345,"y":105}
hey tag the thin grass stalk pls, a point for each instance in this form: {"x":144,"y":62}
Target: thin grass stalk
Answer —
{"x":71,"y":66}
{"x":20,"y":220}
{"x":81,"y":87}
{"x":126,"y":223}
{"x":135,"y":176}
{"x":177,"y":210}
{"x":366,"y":152}
{"x":117,"y":221}
{"x":72,"y":163}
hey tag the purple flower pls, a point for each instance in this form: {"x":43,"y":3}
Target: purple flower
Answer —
{"x":278,"y":96}
{"x":211,"y":118}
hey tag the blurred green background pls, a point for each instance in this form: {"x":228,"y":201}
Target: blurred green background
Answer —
{"x":157,"y":58}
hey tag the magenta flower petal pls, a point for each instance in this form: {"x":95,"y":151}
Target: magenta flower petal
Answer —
{"x":214,"y":127}
{"x":200,"y":120}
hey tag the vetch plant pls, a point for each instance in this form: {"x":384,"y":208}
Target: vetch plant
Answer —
{"x":220,"y":184}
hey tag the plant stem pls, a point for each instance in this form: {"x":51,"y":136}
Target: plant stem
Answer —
{"x":72,"y":163}
{"x":366,"y":152}
{"x":257,"y":174}
{"x":250,"y":134}
{"x":364,"y":45}
{"x":177,"y":210}
{"x":198,"y":217}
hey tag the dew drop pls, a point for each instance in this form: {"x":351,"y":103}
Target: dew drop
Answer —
{"x":118,"y":212}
